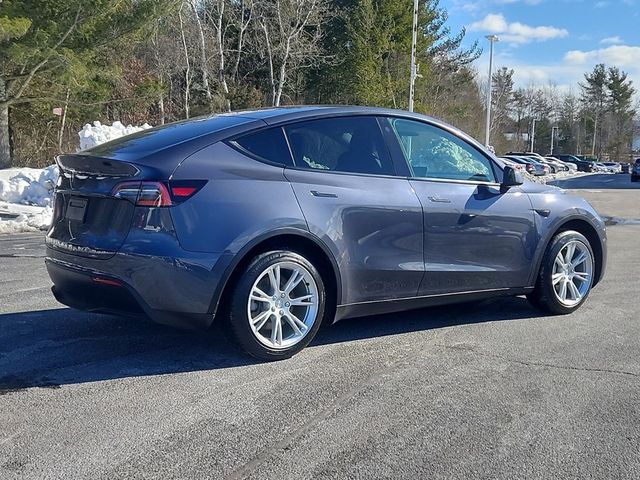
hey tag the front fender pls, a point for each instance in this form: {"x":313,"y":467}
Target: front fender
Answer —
{"x":556,"y":209}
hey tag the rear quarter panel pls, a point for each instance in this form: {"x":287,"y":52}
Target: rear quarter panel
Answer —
{"x":243,"y":199}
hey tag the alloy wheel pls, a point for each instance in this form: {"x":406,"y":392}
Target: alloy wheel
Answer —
{"x":572,"y":273}
{"x":283,"y":305}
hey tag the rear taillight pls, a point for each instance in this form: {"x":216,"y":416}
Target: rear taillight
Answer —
{"x":153,"y":194}
{"x":157,"y":194}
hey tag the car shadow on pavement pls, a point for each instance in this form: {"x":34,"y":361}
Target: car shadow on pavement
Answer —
{"x":491,"y":310}
{"x":608,"y":181}
{"x":50,"y":348}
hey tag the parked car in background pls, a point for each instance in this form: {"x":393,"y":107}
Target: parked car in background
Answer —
{"x":526,"y":154}
{"x":614,"y":167}
{"x":536,"y":157}
{"x":557,"y":165}
{"x":608,"y":167}
{"x":275,"y":222}
{"x":513,"y":164}
{"x":587,"y":158}
{"x":552,"y":168}
{"x":528,"y":167}
{"x":635,"y":171}
{"x":625,"y":167}
{"x":583,"y":166}
{"x":532,"y":167}
{"x":569,"y":167}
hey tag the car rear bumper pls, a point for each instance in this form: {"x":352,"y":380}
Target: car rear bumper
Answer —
{"x":176,"y":291}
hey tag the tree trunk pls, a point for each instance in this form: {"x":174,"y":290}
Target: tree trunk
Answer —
{"x":272,"y":80}
{"x":595,"y":134}
{"x":187,"y":73}
{"x":63,"y":121}
{"x":5,"y":145}
{"x":221,"y":55}
{"x":161,"y":108}
{"x":203,"y":55}
{"x":282,"y":76}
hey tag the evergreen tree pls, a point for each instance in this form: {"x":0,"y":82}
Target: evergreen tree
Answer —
{"x":371,"y":45}
{"x":593,"y":98}
{"x":619,"y":105}
{"x":501,"y":101}
{"x":45,"y":41}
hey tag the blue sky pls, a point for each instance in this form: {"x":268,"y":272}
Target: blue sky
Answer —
{"x":552,"y":40}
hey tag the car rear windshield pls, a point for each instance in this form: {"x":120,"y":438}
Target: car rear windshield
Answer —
{"x":146,"y":142}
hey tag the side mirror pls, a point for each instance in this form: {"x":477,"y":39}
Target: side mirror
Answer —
{"x":510,"y":178}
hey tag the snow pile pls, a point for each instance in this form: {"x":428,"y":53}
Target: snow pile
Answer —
{"x":92,"y":135}
{"x":14,"y":219}
{"x":25,"y":198}
{"x":550,"y":177}
{"x":28,"y":186}
{"x":25,"y":193}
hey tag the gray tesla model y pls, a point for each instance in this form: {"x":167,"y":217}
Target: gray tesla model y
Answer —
{"x":273,"y":222}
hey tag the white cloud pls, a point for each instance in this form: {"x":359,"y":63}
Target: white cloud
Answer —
{"x":565,"y":75}
{"x":612,"y":40}
{"x":623,"y":56}
{"x":516,"y":32}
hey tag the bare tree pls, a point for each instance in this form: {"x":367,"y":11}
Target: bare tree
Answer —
{"x":203,"y":48}
{"x":220,"y":25}
{"x":187,"y":71}
{"x":291,"y":30}
{"x":243,"y":16}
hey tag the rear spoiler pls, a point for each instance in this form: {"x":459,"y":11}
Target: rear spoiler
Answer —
{"x":85,"y":165}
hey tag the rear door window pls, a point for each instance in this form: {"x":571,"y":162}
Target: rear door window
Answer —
{"x":343,"y":144}
{"x":269,"y":145}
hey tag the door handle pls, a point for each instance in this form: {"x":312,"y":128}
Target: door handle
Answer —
{"x":439,"y":200}
{"x":316,"y":193}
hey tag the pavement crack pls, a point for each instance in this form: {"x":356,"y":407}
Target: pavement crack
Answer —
{"x":537,"y":364}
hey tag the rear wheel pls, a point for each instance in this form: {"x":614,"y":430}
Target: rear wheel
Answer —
{"x":566,"y":274}
{"x":278,"y":305}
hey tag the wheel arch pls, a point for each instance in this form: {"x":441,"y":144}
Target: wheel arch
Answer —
{"x":292,"y":239}
{"x":584,"y":227}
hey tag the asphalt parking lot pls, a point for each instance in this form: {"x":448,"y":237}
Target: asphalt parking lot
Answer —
{"x":484,"y":390}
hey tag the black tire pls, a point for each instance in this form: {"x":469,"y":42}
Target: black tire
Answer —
{"x":239,"y":325}
{"x":543,"y":296}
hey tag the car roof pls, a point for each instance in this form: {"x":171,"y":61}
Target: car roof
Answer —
{"x":182,"y":138}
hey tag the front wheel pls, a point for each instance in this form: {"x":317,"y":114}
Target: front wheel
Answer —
{"x":566,"y":274}
{"x":278,"y":305}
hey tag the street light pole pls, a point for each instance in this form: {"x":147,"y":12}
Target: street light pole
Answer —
{"x":553,"y":137}
{"x":533,"y":135}
{"x":492,"y":39}
{"x":414,"y":69}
